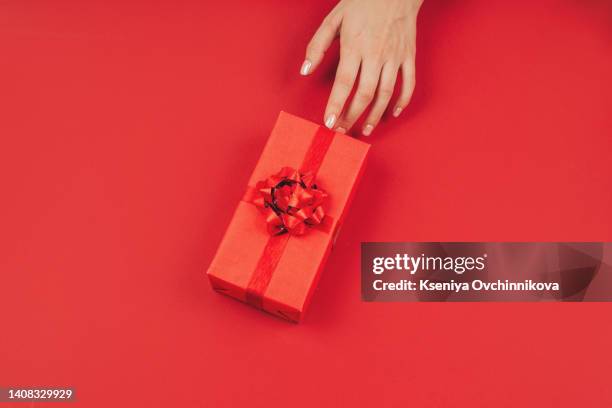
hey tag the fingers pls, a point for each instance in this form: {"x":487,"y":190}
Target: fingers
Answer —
{"x":343,"y":84}
{"x":383,"y":96}
{"x":374,"y":82}
{"x":319,"y":43}
{"x":368,"y":81}
{"x":408,"y":82}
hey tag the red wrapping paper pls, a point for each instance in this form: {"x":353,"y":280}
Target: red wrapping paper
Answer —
{"x":278,"y":273}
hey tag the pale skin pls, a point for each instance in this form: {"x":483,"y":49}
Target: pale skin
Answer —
{"x":377,"y":45}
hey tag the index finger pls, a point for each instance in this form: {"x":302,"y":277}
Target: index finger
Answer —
{"x":346,"y":74}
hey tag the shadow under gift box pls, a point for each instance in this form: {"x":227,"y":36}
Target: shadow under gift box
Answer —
{"x":292,"y":263}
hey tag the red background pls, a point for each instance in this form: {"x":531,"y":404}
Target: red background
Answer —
{"x":129,"y":129}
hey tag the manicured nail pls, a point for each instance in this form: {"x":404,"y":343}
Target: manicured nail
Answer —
{"x":305,"y":70}
{"x":397,"y":111}
{"x":329,"y":122}
{"x":340,"y":129}
{"x":367,"y":131}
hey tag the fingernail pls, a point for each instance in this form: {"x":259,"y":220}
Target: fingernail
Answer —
{"x":340,"y":129}
{"x":305,"y":70}
{"x":367,"y":131}
{"x":397,"y":111}
{"x":329,"y":122}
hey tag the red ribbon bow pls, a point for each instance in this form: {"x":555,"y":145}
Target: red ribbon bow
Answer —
{"x":290,"y":201}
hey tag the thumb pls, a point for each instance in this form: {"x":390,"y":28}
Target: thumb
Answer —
{"x":320,"y":42}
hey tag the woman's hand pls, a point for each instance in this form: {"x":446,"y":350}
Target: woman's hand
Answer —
{"x":377,"y":39}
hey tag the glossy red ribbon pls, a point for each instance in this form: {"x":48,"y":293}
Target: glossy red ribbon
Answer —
{"x":291,"y":202}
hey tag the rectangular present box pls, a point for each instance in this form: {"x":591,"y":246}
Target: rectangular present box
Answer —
{"x":278,"y":272}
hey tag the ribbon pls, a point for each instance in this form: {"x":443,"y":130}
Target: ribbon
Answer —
{"x":291,"y":202}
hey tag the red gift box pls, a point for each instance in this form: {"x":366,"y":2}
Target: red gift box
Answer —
{"x":283,"y":229}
